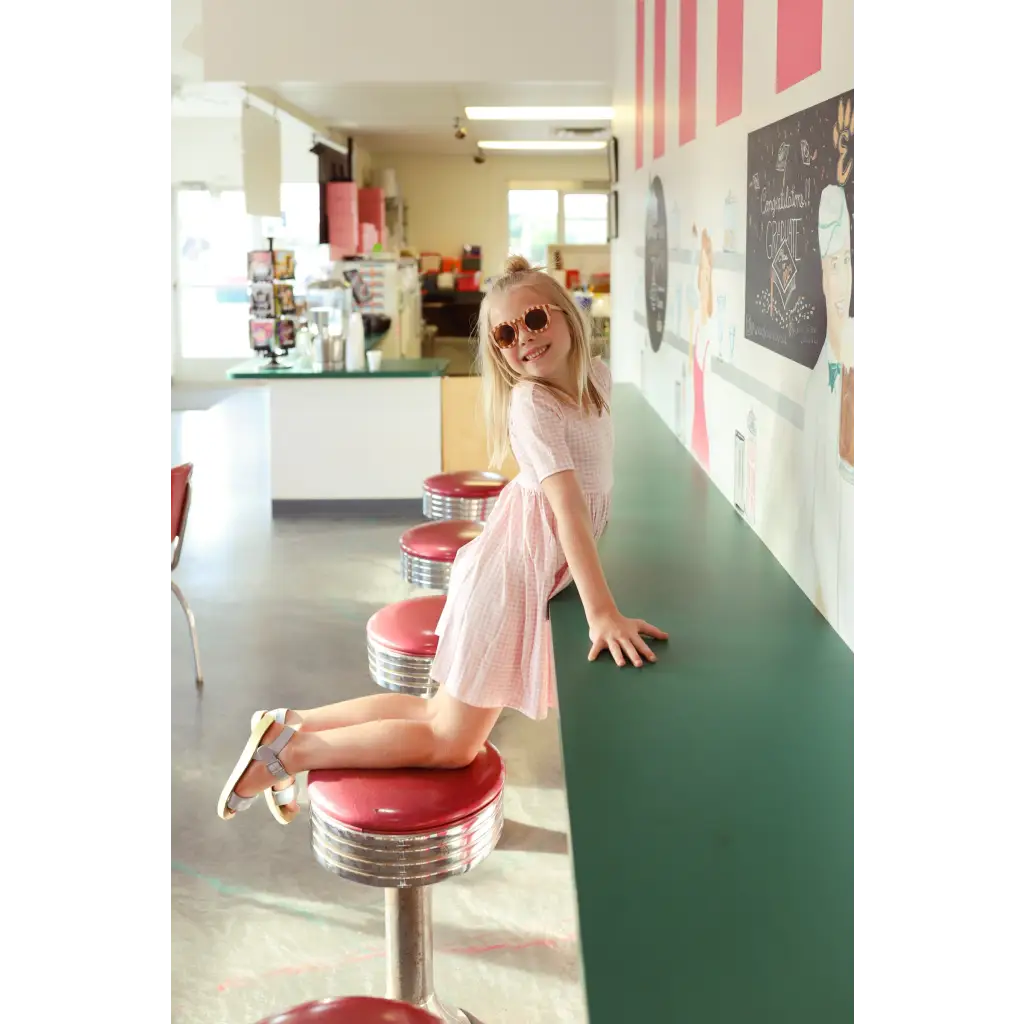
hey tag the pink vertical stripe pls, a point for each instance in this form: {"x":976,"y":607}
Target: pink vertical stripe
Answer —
{"x":687,"y":71}
{"x":659,"y":78}
{"x":641,"y":28}
{"x":730,"y":60}
{"x":797,"y":42}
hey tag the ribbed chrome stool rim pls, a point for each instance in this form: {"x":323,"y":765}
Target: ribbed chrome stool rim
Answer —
{"x":440,"y":506}
{"x":400,"y":673}
{"x":392,"y":861}
{"x":426,"y":572}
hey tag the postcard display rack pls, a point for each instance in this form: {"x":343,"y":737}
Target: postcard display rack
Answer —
{"x":273,"y":311}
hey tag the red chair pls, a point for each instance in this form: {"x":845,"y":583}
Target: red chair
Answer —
{"x":405,"y":830}
{"x":353,"y":1010}
{"x":181,"y":499}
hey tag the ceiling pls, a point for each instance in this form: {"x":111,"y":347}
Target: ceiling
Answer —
{"x":415,"y":118}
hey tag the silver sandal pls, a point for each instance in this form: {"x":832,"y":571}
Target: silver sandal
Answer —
{"x":268,"y":754}
{"x":278,"y":799}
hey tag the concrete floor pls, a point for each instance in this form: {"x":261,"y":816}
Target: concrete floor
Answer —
{"x":257,"y":925}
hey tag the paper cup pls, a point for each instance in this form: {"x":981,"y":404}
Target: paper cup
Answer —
{"x":373,"y":360}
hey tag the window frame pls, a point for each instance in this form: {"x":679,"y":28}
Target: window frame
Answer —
{"x":563,"y":188}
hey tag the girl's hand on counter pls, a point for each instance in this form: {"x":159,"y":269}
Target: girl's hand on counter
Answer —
{"x":624,"y":638}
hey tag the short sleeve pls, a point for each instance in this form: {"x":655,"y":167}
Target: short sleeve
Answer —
{"x":539,"y":432}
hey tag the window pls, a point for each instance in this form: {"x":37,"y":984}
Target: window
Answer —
{"x":532,"y":222}
{"x":539,"y":217}
{"x":586,"y":218}
{"x":214,"y":233}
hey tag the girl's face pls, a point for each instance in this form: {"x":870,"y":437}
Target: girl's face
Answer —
{"x":541,"y":353}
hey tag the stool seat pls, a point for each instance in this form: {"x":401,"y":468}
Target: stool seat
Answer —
{"x":353,"y":1010}
{"x":429,"y":550}
{"x":440,"y":541}
{"x":470,"y":483}
{"x":408,"y":827}
{"x":398,"y":801}
{"x":407,"y":626}
{"x":469,"y":494}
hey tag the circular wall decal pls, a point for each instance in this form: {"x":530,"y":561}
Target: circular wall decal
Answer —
{"x":655,"y":263}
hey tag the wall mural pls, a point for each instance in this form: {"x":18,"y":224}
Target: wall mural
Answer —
{"x":745,"y":305}
{"x":791,"y":164}
{"x":656,"y":262}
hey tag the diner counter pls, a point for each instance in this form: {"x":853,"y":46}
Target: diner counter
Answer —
{"x":343,"y":443}
{"x":299,"y":369}
{"x":711,"y":794}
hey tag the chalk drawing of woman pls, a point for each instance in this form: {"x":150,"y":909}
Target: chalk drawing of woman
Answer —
{"x":701,"y":335}
{"x":827,"y":448}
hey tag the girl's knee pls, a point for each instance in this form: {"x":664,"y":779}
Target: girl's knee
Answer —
{"x":460,"y":731}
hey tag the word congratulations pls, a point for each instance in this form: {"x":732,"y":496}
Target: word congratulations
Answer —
{"x":788,"y":199}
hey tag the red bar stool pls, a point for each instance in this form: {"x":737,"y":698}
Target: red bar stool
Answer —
{"x":353,"y":1010}
{"x":429,"y":550}
{"x":466,"y":495}
{"x":181,"y":502}
{"x":401,"y":644}
{"x":405,"y":830}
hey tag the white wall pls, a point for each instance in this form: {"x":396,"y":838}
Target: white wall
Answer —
{"x":391,"y":41}
{"x":209,"y":149}
{"x":455,"y":202}
{"x":744,"y":382}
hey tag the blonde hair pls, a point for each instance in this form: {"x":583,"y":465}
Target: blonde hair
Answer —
{"x":498,"y":378}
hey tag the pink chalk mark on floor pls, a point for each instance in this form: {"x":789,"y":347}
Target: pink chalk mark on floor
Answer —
{"x":378,"y":954}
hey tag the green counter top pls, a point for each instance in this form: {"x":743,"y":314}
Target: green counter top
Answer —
{"x":711,"y":794}
{"x":299,"y":369}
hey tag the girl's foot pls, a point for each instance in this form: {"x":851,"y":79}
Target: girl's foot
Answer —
{"x":258,"y":767}
{"x":281,"y":796}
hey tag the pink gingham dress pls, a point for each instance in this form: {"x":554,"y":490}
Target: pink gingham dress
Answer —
{"x":494,"y":647}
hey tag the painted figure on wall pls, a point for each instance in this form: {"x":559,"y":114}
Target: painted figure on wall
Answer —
{"x":827,"y":470}
{"x":701,"y":335}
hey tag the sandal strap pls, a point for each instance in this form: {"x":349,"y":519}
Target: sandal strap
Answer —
{"x":267,"y":754}
{"x":284,"y":796}
{"x":238,"y":803}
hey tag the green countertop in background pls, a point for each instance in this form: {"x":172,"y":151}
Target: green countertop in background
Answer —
{"x":259,"y":369}
{"x":710,"y":795}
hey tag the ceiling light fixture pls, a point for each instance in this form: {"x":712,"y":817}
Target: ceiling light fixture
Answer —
{"x":539,"y":113}
{"x":545,"y":145}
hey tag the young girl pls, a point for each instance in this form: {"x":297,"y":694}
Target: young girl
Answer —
{"x":547,"y":397}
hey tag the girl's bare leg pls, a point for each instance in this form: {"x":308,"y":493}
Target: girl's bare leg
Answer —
{"x":361,"y":709}
{"x":448,"y":737}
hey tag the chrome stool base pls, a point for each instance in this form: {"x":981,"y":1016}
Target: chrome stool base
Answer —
{"x":409,"y":940}
{"x":400,"y":673}
{"x":425,"y":572}
{"x":440,"y":506}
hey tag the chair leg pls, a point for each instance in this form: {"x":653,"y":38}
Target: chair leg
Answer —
{"x":191,"y":630}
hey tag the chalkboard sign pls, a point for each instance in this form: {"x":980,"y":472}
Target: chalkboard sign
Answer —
{"x":789,"y":164}
{"x":656,"y":263}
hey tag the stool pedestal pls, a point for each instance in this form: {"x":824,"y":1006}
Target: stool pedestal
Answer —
{"x":409,"y":940}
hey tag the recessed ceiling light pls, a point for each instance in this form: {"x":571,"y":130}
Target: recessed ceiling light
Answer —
{"x":539,"y":113}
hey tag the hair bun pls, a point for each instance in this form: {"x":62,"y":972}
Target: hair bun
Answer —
{"x":517,"y":265}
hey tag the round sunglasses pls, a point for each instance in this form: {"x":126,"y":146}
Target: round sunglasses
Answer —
{"x":536,"y":320}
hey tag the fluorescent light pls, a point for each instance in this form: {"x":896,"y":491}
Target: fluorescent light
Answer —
{"x":544,"y":145}
{"x":539,"y":113}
